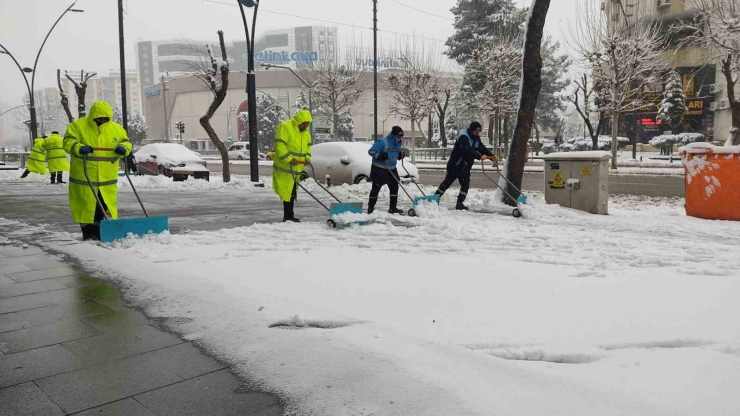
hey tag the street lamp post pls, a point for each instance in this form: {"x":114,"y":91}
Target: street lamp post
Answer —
{"x":26,"y":70}
{"x":251,"y":88}
{"x":303,"y":81}
{"x":228,"y":121}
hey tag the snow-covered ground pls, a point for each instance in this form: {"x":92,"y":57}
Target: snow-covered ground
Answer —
{"x":559,"y":313}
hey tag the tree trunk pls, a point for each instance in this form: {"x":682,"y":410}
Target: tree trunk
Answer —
{"x":413,"y":140}
{"x":65,"y":100}
{"x":537,"y":140}
{"x":218,"y":99}
{"x":734,"y":104}
{"x":505,"y":136}
{"x":442,"y":131}
{"x":490,"y":129}
{"x":615,"y":131}
{"x":530,"y":90}
{"x":81,"y":92}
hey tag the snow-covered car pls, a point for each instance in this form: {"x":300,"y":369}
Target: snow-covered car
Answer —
{"x":172,"y":160}
{"x":348,"y":162}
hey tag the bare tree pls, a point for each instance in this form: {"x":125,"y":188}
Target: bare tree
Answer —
{"x":716,"y":27}
{"x":219,"y":87}
{"x":496,"y":65}
{"x":65,"y":100}
{"x":81,"y":90}
{"x":584,"y":98}
{"x":336,"y":87}
{"x":622,"y":60}
{"x":413,"y":89}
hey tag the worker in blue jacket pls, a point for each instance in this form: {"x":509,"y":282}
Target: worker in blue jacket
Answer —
{"x":386,"y":152}
{"x":468,"y":148}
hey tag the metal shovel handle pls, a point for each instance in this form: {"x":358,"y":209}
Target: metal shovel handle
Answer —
{"x":95,"y":194}
{"x":125,"y":171}
{"x":398,"y":179}
{"x":412,"y":178}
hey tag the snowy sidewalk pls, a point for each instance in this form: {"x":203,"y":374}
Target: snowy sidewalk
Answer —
{"x":69,"y":344}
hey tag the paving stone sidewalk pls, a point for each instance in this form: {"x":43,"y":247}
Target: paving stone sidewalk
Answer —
{"x":69,"y":345}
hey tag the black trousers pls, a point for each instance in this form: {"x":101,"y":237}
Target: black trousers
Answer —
{"x":56,"y":176}
{"x":452,"y":176}
{"x":379,"y":178}
{"x":288,"y":213}
{"x":92,"y":231}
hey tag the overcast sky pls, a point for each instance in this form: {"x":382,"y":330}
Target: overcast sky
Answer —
{"x":89,"y":40}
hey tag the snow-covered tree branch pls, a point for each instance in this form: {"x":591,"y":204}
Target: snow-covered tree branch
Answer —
{"x":621,"y":58}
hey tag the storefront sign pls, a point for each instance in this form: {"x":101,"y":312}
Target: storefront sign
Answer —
{"x":276,"y":57}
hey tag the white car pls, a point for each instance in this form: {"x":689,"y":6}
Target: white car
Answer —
{"x":348,"y":162}
{"x":240,"y":151}
{"x":172,"y":160}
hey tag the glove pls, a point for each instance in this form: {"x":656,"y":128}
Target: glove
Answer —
{"x":120,"y":150}
{"x":401,"y":155}
{"x":491,"y":158}
{"x":382,"y":156}
{"x":84,"y":150}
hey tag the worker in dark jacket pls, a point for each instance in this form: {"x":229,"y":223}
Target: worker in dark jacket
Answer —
{"x":468,"y":148}
{"x":386,"y":152}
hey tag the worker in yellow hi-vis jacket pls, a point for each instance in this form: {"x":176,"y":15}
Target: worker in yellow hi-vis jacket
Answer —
{"x":103,"y":142}
{"x":56,"y":158}
{"x":292,"y":153}
{"x":37,"y":159}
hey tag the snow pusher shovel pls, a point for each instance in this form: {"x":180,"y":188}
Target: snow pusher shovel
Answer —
{"x":111,"y":230}
{"x":336,"y":208}
{"x":516,"y":212}
{"x":424,"y":198}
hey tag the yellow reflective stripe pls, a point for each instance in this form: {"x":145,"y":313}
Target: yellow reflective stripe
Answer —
{"x":124,"y":141}
{"x":281,"y":141}
{"x":56,"y":157}
{"x":300,"y":154}
{"x":38,"y":160}
{"x":380,"y":166}
{"x":80,"y":182}
{"x":285,"y":156}
{"x":36,"y":151}
{"x":279,"y":169}
{"x":55,"y":148}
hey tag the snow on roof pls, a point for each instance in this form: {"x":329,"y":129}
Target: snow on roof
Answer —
{"x":703,"y":147}
{"x":589,"y":155}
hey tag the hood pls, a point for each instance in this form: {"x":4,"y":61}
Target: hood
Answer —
{"x":302,"y":117}
{"x":38,"y":141}
{"x":100,"y":109}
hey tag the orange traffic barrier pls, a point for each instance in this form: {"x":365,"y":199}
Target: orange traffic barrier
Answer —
{"x":712,"y":181}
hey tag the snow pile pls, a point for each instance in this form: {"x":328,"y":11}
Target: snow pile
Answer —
{"x":461,"y":313}
{"x":161,"y":182}
{"x":580,"y":144}
{"x":15,"y":175}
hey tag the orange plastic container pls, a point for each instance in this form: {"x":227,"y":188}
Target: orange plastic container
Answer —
{"x":712,"y":181}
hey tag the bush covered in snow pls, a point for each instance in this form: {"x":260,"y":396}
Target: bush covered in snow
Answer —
{"x":579,"y":144}
{"x":666,"y":142}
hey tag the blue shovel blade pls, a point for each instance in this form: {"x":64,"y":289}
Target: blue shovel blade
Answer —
{"x":522,"y":199}
{"x":341,"y":208}
{"x":429,"y":198}
{"x":111,"y":230}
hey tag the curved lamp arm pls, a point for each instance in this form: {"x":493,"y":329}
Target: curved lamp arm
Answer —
{"x":7,"y":52}
{"x":33,"y":77}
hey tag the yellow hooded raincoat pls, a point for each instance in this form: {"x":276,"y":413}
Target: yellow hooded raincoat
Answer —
{"x":55,"y":155}
{"x":37,"y":158}
{"x":290,"y":144}
{"x":102,"y":164}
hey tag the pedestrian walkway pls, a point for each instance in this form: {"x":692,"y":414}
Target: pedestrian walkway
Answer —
{"x":70,"y":345}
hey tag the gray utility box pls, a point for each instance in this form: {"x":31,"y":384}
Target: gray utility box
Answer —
{"x":578,"y":180}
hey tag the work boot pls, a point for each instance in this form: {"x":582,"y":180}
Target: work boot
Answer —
{"x":53,"y":179}
{"x":393,"y":208}
{"x":59,"y":178}
{"x":461,"y":207}
{"x":90,"y":232}
{"x":25,"y":173}
{"x":370,"y":208}
{"x":292,"y":219}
